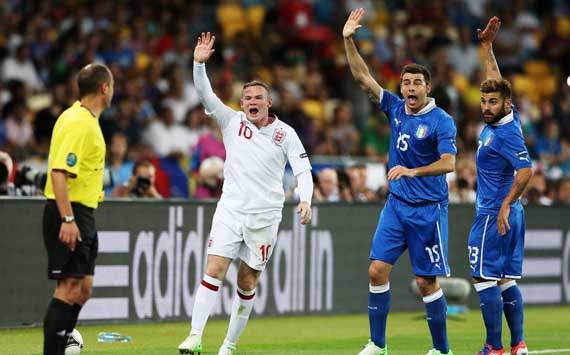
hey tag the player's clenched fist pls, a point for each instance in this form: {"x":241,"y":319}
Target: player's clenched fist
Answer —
{"x":304,"y":209}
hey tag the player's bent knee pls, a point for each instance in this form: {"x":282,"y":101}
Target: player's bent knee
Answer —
{"x":85,"y":294}
{"x":247,"y":277}
{"x":427,"y":284}
{"x":246,"y":285}
{"x":378,"y":274}
{"x":68,"y":290}
{"x":217,"y":266}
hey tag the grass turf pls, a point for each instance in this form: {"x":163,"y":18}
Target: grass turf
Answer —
{"x":545,"y":328}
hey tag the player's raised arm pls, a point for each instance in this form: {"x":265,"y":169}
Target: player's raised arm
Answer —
{"x":213,"y":105}
{"x":357,"y":65}
{"x":486,"y":38}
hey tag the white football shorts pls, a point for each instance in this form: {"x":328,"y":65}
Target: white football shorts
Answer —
{"x":251,"y":237}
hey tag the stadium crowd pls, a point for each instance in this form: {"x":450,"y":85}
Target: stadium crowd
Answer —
{"x":157,"y":123}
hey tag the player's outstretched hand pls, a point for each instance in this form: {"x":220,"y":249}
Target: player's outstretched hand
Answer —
{"x":487,"y":36}
{"x":304,"y":209}
{"x":353,"y":23}
{"x":398,"y":171}
{"x":204,"y":47}
{"x":69,"y":234}
{"x":503,"y":219}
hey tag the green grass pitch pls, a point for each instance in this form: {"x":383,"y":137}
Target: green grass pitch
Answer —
{"x":546,"y":328}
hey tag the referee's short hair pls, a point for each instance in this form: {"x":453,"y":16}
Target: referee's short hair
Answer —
{"x":91,"y":77}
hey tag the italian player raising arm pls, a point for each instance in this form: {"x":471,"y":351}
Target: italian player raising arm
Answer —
{"x":247,"y":217}
{"x":496,"y":240}
{"x":422,"y":151}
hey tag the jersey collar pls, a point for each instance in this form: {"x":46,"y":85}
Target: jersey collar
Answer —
{"x":430,"y":106}
{"x":78,"y":104}
{"x":503,"y":121}
{"x":270,"y":122}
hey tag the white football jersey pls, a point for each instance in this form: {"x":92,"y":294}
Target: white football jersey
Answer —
{"x":256,"y":159}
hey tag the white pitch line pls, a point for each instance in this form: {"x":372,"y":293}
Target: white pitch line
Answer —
{"x":550,"y":351}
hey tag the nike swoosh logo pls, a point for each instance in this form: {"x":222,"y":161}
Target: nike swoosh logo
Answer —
{"x":62,"y":333}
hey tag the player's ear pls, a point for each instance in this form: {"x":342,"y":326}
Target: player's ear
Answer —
{"x":241,"y":103}
{"x":269,"y":102}
{"x":428,"y":88}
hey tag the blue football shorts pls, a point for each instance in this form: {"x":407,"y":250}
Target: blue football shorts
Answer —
{"x":420,"y":228}
{"x":492,"y":256}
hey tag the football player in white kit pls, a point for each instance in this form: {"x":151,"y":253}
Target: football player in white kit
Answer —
{"x":247,"y":217}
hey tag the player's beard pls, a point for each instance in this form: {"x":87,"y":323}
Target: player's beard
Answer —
{"x":496,"y":118}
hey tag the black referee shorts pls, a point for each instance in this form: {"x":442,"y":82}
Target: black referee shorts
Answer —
{"x":62,"y":262}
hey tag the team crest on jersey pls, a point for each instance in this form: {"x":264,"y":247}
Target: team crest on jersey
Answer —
{"x":421,"y":131}
{"x":279,"y":136}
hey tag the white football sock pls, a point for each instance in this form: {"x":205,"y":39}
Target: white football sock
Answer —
{"x":206,"y":298}
{"x":241,"y":309}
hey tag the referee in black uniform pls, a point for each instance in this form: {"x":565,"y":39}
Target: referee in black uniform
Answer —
{"x":74,"y":188}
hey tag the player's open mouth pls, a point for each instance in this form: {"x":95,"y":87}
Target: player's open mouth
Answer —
{"x":412,"y":99}
{"x":253,"y":110}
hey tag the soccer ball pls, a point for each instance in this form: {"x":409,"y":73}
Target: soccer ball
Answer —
{"x":74,"y":343}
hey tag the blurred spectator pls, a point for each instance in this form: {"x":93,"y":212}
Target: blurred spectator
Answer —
{"x":548,"y":146}
{"x":376,"y":139}
{"x":564,"y":191}
{"x":19,"y":131}
{"x":121,"y":168}
{"x":298,"y":23}
{"x":45,"y":119}
{"x":20,"y":67}
{"x":6,"y":167}
{"x":565,"y":157}
{"x":166,"y":137}
{"x":328,"y":188}
{"x":462,"y":188}
{"x":357,"y":178}
{"x":507,"y":45}
{"x":464,"y":56}
{"x":209,"y":145}
{"x":289,"y":112}
{"x":210,"y":178}
{"x":344,"y":133}
{"x":535,"y":193}
{"x":141,"y":183}
{"x":194,"y":121}
{"x":181,"y":97}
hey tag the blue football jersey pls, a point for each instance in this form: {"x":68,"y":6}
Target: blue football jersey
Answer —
{"x":418,"y":140}
{"x":500,"y":153}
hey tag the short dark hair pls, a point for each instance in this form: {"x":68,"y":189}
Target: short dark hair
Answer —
{"x":258,"y":83}
{"x":414,"y":68}
{"x":501,"y":86}
{"x":91,"y":77}
{"x":142,"y":164}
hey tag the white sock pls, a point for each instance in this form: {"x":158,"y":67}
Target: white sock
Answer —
{"x":243,"y":303}
{"x":206,"y":298}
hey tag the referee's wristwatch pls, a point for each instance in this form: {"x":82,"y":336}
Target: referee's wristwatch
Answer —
{"x":68,"y":219}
